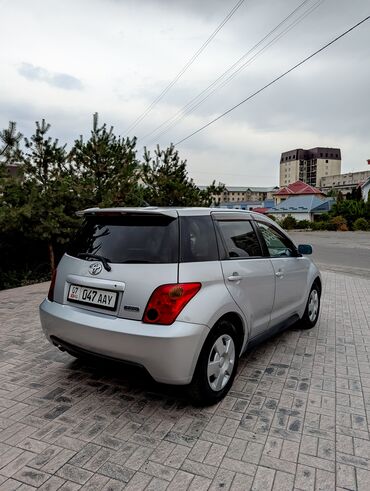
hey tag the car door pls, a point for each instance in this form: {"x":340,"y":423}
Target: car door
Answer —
{"x":248,"y":275}
{"x":290,"y":270}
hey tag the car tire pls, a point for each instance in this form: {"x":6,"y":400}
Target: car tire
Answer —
{"x":312,"y":311}
{"x":217,"y":365}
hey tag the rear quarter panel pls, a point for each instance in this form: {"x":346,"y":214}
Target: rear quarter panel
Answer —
{"x":213,"y":299}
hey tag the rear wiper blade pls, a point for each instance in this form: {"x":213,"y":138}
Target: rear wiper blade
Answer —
{"x":104,"y":260}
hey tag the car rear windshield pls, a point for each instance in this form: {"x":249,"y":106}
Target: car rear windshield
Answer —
{"x":128,"y":238}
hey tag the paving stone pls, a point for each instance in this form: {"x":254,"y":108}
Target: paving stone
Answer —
{"x":75,"y":474}
{"x":52,"y":484}
{"x":222,"y":480}
{"x":181,"y":481}
{"x":157,"y":484}
{"x":296,"y":417}
{"x":283,"y":481}
{"x":363,"y":479}
{"x":116,"y":471}
{"x":305,"y":478}
{"x":241,"y":482}
{"x":201,"y":469}
{"x":325,"y":481}
{"x":30,"y":476}
{"x":95,"y":483}
{"x":177,"y":456}
{"x":200,"y":483}
{"x":113,"y":485}
{"x":264,"y":479}
{"x":138,"y":482}
{"x":10,"y":485}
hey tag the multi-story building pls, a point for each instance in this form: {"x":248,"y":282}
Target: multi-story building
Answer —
{"x":243,"y":194}
{"x":344,"y":182}
{"x":234,"y":194}
{"x":309,"y":166}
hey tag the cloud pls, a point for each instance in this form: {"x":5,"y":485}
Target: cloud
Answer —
{"x":60,"y":80}
{"x":141,"y":47}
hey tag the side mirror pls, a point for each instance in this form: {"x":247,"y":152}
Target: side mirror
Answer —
{"x":305,"y":249}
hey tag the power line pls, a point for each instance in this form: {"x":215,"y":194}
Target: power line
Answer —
{"x":221,"y":81}
{"x":184,"y":69}
{"x":273,"y":81}
{"x":189,"y":107}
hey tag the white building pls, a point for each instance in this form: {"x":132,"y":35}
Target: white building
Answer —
{"x":344,"y":182}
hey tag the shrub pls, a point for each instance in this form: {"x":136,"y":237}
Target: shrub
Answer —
{"x":324,"y":217}
{"x":343,"y":228}
{"x":339,"y":222}
{"x":288,"y":223}
{"x":360,"y":224}
{"x":319,"y":225}
{"x":304,"y":224}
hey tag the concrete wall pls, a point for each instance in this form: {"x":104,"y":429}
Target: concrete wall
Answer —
{"x":327,"y":167}
{"x":289,"y":172}
{"x":297,"y":216}
{"x":349,"y":179}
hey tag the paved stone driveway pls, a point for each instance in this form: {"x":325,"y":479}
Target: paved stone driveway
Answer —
{"x":297,"y":417}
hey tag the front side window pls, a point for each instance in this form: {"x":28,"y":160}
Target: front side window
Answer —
{"x":277,"y":244}
{"x":128,"y":238}
{"x":240,"y":239}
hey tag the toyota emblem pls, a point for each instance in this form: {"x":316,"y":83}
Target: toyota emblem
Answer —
{"x":95,"y":268}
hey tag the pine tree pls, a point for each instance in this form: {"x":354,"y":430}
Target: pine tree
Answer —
{"x":166,"y":181}
{"x":108,"y":168}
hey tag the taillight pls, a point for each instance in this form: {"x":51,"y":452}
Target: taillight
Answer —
{"x":52,"y":286}
{"x":167,"y":301}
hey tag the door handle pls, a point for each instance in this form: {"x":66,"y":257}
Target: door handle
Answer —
{"x":279,"y":274}
{"x":235,"y":277}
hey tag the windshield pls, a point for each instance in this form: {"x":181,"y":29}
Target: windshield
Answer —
{"x":128,"y":238}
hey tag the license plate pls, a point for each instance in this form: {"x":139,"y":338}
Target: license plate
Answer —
{"x":92,"y":296}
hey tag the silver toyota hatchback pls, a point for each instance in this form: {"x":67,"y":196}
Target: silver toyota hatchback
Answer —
{"x":181,"y":292}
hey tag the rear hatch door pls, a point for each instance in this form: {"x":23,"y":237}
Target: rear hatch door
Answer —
{"x":141,"y":251}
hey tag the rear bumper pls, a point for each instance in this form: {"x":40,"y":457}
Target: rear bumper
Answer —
{"x":168,"y":353}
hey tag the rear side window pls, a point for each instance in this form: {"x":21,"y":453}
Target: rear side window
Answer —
{"x":240,"y":239}
{"x":129,"y":239}
{"x":198,"y":239}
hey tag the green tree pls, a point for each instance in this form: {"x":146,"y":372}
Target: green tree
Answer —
{"x":166,"y":181}
{"x":107,"y":167}
{"x":351,"y":210}
{"x":10,"y":139}
{"x":332,"y":193}
{"x":340,"y":196}
{"x":42,"y":204}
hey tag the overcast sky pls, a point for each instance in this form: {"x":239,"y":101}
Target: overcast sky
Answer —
{"x":64,"y":60}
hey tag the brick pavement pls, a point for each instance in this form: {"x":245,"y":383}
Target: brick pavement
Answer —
{"x":296,"y":418}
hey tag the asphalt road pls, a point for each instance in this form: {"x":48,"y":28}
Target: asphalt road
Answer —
{"x":345,"y":252}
